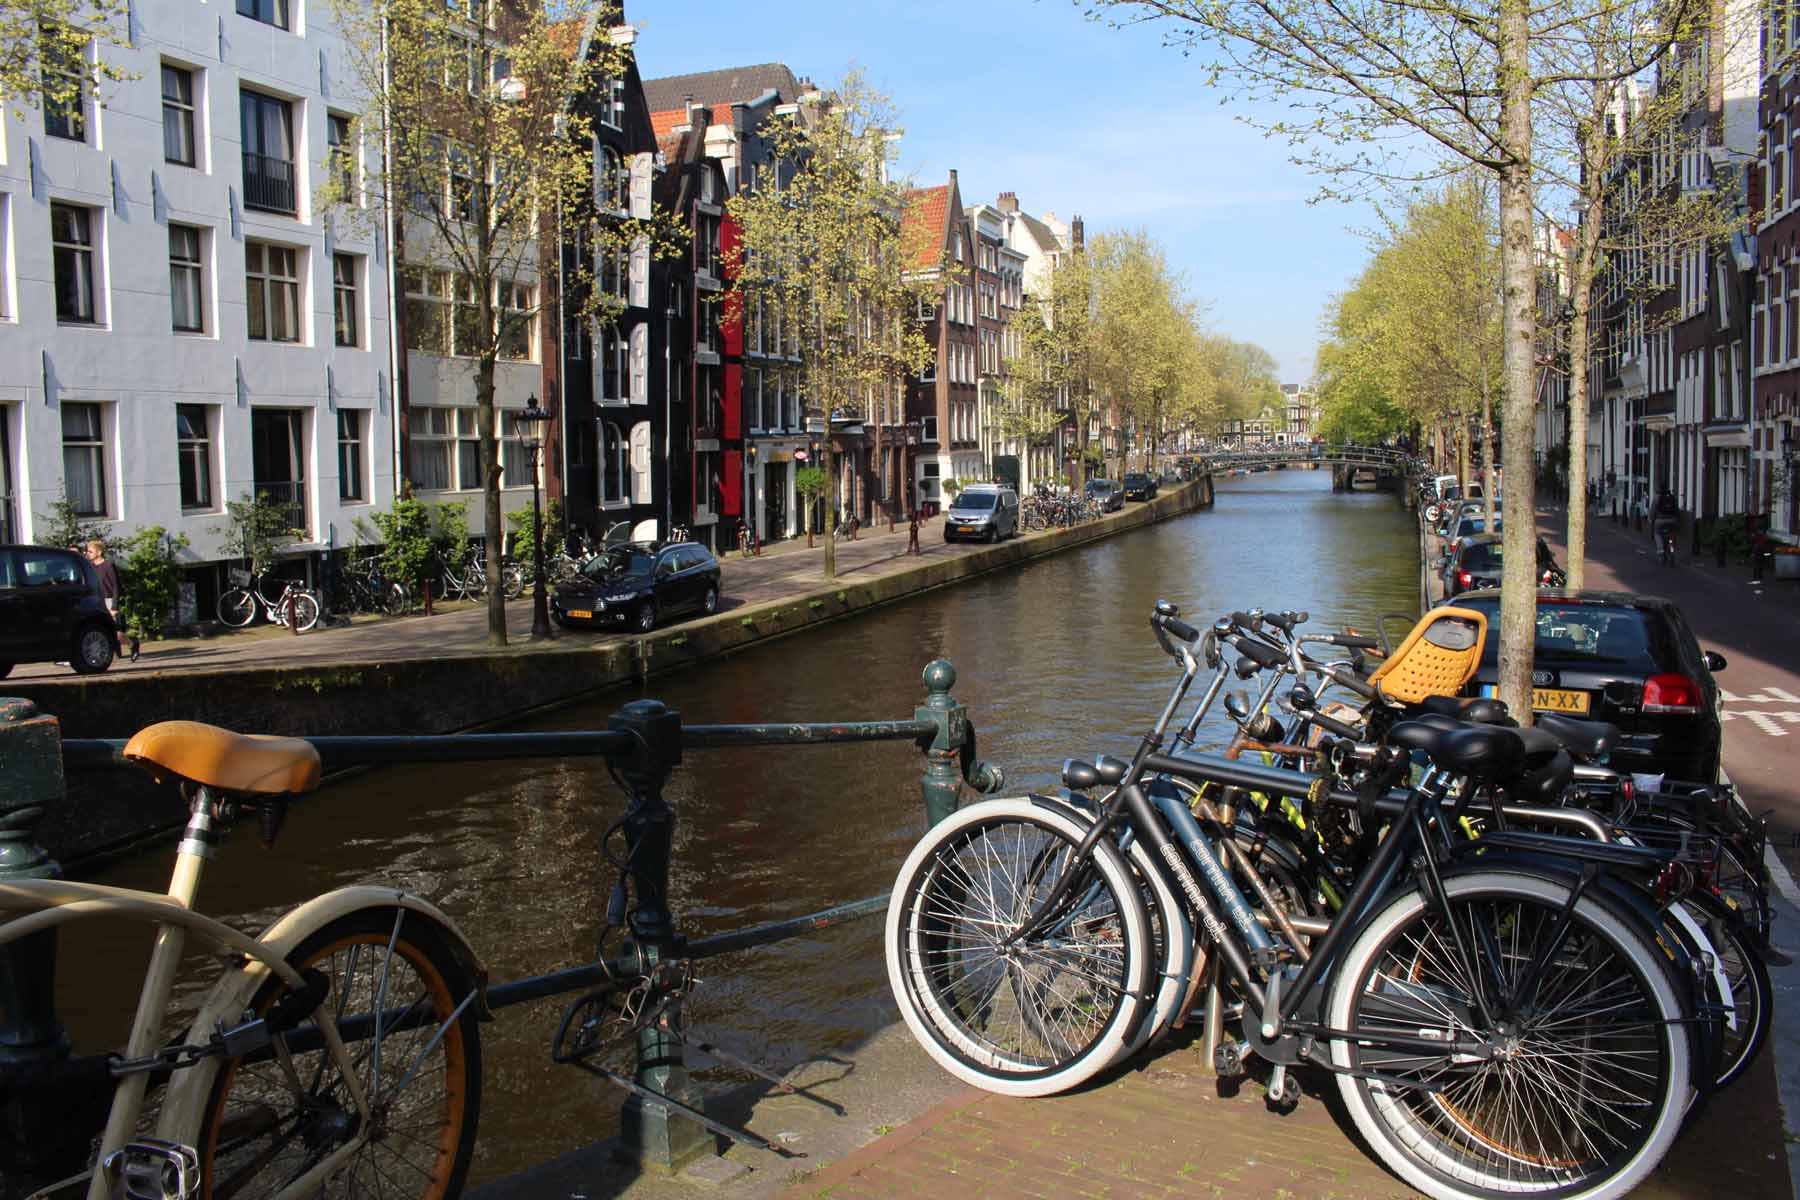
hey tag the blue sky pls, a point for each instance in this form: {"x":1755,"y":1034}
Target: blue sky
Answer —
{"x":1031,"y":97}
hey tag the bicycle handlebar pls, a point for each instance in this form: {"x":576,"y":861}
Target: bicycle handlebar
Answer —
{"x":1265,"y":656}
{"x":1349,"y":641}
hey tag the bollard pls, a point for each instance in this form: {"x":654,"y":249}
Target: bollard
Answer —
{"x":651,"y":1134}
{"x":37,"y":1134}
{"x":942,"y":783}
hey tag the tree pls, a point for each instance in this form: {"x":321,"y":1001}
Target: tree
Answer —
{"x":1377,"y":91}
{"x":825,"y":250}
{"x":483,"y":119}
{"x":52,"y":53}
{"x":1048,"y":381}
{"x":257,"y":527}
{"x":1244,"y":378}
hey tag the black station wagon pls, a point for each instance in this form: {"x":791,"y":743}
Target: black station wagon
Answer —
{"x":51,"y":611}
{"x":638,"y":584}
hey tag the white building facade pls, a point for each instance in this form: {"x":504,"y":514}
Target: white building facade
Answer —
{"x":180,"y":324}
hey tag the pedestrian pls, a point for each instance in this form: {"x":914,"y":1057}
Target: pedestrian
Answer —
{"x":109,"y":586}
{"x":1762,"y":548}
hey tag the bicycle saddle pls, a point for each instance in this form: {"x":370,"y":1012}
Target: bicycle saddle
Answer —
{"x":241,"y":763}
{"x":1481,"y":709}
{"x":1475,"y":749}
{"x":1589,"y":739}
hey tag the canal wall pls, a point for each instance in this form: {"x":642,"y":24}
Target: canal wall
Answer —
{"x":111,"y":811}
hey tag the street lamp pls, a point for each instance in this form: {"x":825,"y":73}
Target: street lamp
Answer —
{"x":533,"y":425}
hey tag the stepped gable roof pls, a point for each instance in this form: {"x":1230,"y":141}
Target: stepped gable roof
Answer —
{"x":927,"y":210}
{"x":721,"y":87}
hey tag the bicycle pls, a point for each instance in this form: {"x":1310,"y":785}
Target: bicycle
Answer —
{"x":845,"y":530}
{"x":341,"y":1044}
{"x":748,"y":545}
{"x":368,"y":589}
{"x":296,"y":606}
{"x":1665,"y":542}
{"x":1449,"y":996}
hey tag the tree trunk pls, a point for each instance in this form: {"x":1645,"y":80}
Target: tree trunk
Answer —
{"x":1581,"y":295}
{"x":1518,"y":600}
{"x":1487,"y":452}
{"x":493,"y":521}
{"x":828,"y":460}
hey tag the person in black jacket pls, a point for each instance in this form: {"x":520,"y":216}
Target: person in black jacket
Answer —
{"x":109,"y":586}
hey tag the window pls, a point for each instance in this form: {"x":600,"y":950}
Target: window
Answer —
{"x":468,"y":448}
{"x":350,"y":424}
{"x":515,"y":463}
{"x":610,"y":102}
{"x":178,"y":115}
{"x":518,"y":323}
{"x":269,"y":12}
{"x":427,"y":309}
{"x":64,"y":71}
{"x":278,"y":454}
{"x":193,"y":450}
{"x":186,"y":295}
{"x":340,"y":154}
{"x":72,"y":243}
{"x":614,"y":184}
{"x":431,"y":430}
{"x":268,"y":132}
{"x":613,"y":462}
{"x":346,"y":313}
{"x":272,"y":292}
{"x":84,"y":458}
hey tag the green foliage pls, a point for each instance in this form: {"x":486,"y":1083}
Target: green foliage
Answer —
{"x":450,"y":532}
{"x":405,"y":541}
{"x":61,"y":527}
{"x":518,"y":521}
{"x":809,"y":482}
{"x":256,"y":528}
{"x":47,"y":52}
{"x":952,"y":487}
{"x":150,"y":580}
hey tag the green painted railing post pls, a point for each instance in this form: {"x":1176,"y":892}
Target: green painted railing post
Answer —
{"x":652,"y":1134}
{"x":942,"y":784}
{"x":31,"y":779}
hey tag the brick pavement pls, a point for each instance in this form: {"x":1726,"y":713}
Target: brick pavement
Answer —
{"x":785,"y":569}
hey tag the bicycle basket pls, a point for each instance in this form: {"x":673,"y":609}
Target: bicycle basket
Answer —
{"x":239,"y":577}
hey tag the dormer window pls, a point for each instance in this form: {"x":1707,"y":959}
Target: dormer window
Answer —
{"x":959,"y":246}
{"x":709,"y":188}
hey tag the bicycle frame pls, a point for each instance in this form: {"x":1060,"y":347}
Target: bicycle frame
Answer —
{"x":50,"y":904}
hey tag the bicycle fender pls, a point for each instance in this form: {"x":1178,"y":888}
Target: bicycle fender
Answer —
{"x":184,"y":1102}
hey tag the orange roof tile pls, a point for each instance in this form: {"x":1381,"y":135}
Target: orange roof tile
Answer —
{"x":923,"y":226}
{"x":665,"y":121}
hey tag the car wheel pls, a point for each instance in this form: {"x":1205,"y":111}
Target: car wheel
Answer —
{"x":709,"y":603}
{"x":644,"y":619}
{"x":93,"y":650}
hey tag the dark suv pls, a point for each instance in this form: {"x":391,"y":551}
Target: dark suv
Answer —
{"x":1623,"y":658}
{"x":637,"y":584}
{"x":1139,"y":486}
{"x":51,"y":611}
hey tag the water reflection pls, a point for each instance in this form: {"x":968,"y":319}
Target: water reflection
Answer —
{"x":1054,"y":659}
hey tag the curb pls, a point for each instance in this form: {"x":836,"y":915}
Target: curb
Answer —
{"x":1784,"y":1033}
{"x":845,"y":1169}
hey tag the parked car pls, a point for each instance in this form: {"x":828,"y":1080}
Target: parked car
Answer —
{"x":1471,"y":522}
{"x":1628,"y":659}
{"x":1139,"y":486}
{"x":1107,"y":494}
{"x":51,"y":611}
{"x":1474,"y":562}
{"x":637,"y":584}
{"x":985,"y":512}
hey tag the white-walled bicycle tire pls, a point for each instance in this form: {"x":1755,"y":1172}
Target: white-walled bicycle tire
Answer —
{"x":1114,"y":959}
{"x":1417,"y":1153}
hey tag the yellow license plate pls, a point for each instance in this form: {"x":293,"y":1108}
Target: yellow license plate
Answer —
{"x":1558,"y":700}
{"x":581,"y":614}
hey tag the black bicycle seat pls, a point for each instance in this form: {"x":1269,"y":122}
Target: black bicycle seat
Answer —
{"x":1423,"y":734}
{"x":1483,"y":710}
{"x":1539,"y":743}
{"x":1471,"y":749}
{"x":1588,"y":739}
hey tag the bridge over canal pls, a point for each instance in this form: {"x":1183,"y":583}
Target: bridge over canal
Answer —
{"x":1387,"y":467}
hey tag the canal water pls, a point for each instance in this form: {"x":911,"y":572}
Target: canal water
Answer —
{"x":1053,"y":659}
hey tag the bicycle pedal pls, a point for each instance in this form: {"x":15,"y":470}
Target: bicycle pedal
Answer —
{"x":1284,"y":1090}
{"x":152,"y":1169}
{"x":1228,"y":1059}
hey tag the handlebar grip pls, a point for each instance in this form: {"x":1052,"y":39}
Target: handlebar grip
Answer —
{"x":1243,"y":620}
{"x":1180,"y":629}
{"x":1346,"y":679}
{"x":1258,"y":653}
{"x":1334,"y":726}
{"x":1285,"y":621}
{"x":1352,"y":641}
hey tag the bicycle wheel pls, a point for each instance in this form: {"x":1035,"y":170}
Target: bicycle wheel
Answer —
{"x":1582,"y":1082}
{"x":1751,"y":994}
{"x":963,"y":889}
{"x":512,"y":582}
{"x":237,"y":608}
{"x":422,"y":1073}
{"x":394,"y":600}
{"x":306,"y":610}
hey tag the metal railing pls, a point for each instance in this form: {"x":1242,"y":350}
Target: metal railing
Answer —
{"x":643,"y":743}
{"x":268,"y":183}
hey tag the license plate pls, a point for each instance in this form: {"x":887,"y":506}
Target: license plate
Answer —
{"x":1560,"y":700}
{"x":582,"y":614}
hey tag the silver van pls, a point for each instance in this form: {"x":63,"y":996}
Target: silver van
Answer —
{"x":985,"y":512}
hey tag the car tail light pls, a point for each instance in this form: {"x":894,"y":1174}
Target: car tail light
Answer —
{"x":1464,"y":579}
{"x":1672,"y":694}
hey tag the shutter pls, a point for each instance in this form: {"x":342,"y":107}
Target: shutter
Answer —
{"x":734,"y":402}
{"x":640,"y":463}
{"x":640,"y":273}
{"x":731,"y":504}
{"x":641,"y":166}
{"x":640,"y":363}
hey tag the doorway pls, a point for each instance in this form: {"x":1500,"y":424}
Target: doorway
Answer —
{"x":278,"y":462}
{"x":775,"y":483}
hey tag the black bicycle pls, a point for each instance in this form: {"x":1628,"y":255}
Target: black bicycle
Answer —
{"x":1511,"y":1020}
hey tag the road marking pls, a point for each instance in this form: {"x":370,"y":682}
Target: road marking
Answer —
{"x":1769,"y":695}
{"x":1765,"y":721}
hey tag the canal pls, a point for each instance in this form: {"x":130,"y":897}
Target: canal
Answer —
{"x":1054,"y":659}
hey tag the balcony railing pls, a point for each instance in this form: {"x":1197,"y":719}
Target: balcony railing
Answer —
{"x":268,"y":183}
{"x":289,"y":497}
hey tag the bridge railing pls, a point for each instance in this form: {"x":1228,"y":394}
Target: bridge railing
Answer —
{"x":643,"y":742}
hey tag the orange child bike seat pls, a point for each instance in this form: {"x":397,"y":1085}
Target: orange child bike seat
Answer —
{"x":1438,"y":658}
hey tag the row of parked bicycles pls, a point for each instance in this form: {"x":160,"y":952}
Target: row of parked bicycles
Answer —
{"x":1525,"y":973}
{"x":1047,"y":509}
